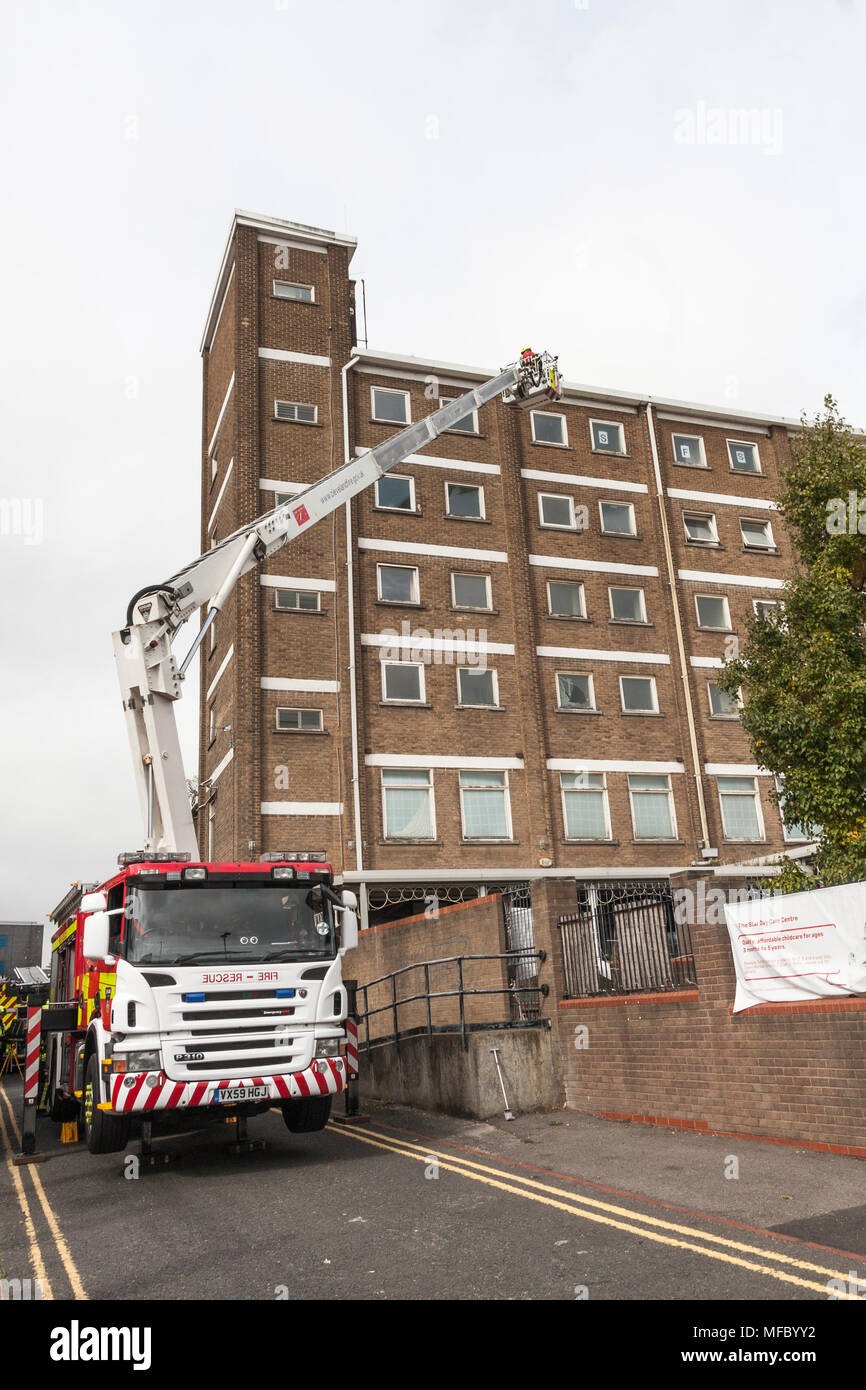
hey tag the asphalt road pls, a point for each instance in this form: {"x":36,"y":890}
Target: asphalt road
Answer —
{"x":410,"y":1206}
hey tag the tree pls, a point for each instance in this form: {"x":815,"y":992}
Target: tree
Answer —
{"x":802,"y":669}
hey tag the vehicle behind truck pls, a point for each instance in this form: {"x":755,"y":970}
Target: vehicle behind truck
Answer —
{"x":203,"y":987}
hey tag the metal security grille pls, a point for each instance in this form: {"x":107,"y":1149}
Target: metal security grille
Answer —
{"x":517,"y":925}
{"x":624,"y":938}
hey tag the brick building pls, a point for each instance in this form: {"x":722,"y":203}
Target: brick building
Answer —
{"x":499,"y":664}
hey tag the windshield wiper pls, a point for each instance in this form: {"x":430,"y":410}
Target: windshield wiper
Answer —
{"x":201,"y":955}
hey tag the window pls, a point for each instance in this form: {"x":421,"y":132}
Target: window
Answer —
{"x":652,"y":807}
{"x":281,"y":498}
{"x":565,"y":600}
{"x":638,"y":694}
{"x":298,"y":600}
{"x":574,"y":691}
{"x":757,"y":535}
{"x":470,"y":591}
{"x":403,"y":682}
{"x":627,"y":605}
{"x":556,"y":510}
{"x":462,"y":499}
{"x":607,"y":437}
{"x":764,"y":607}
{"x":390,"y":406}
{"x":211,"y":727}
{"x":300,"y":720}
{"x":701,"y":528}
{"x":397,"y":583}
{"x":476,"y":687}
{"x":584,"y":805}
{"x":292,"y":410}
{"x":547,"y":428}
{"x":741,"y":813}
{"x":211,"y":835}
{"x":213,"y":636}
{"x":689,"y":449}
{"x":283,"y":289}
{"x":484,"y":806}
{"x":407,"y":804}
{"x":744,"y":457}
{"x":214,"y":465}
{"x":722,"y":706}
{"x":713,"y":612}
{"x":468,"y":424}
{"x":395,"y":493}
{"x":617,"y":518}
{"x":791,"y":830}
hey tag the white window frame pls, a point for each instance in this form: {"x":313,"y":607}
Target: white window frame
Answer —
{"x":715,"y":714}
{"x":701,"y":516}
{"x":756,"y":797}
{"x":557,"y":525}
{"x":478,"y":487}
{"x":473,"y":670}
{"x":393,"y":391}
{"x":282,"y":498}
{"x":296,"y":405}
{"x":211,"y":726}
{"x":506,"y":790}
{"x":570,"y":585}
{"x":401,"y":478}
{"x":294,"y":285}
{"x":769,"y":602}
{"x":653,"y":688}
{"x":789,"y":839}
{"x":297,"y":608}
{"x":213,"y":636}
{"x":757,"y":521}
{"x":704,"y":627}
{"x":605,"y":801}
{"x":571,"y":709}
{"x":422,"y":684}
{"x":211,"y":835}
{"x":416,"y":587}
{"x":431,"y":800}
{"x":297,"y":709}
{"x":611,"y":425}
{"x":550,"y":415}
{"x":626,"y":588}
{"x":616,"y":502}
{"x":672,"y":812}
{"x":446,"y":400}
{"x":471,"y":607}
{"x":748,"y":444}
{"x":682,"y":463}
{"x":214,"y":465}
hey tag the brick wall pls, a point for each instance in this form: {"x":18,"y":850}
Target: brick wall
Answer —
{"x":789,"y":1072}
{"x":473,"y":928}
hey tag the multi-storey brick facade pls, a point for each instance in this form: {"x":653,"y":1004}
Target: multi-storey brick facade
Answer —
{"x":419,"y":619}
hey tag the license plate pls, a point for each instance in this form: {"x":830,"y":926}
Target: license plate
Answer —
{"x":231,"y":1093}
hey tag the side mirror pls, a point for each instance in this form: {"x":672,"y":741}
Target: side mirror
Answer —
{"x":93,"y":902}
{"x":349,"y":922}
{"x":95,"y":937}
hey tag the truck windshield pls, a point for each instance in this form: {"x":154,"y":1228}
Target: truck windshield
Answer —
{"x":175,"y":925}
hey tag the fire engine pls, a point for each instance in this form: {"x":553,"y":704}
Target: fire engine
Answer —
{"x":215,"y":987}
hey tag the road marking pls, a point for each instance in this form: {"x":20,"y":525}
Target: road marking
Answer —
{"x":575,"y":1206}
{"x":35,"y":1253}
{"x":627,"y":1212}
{"x":62,"y":1248}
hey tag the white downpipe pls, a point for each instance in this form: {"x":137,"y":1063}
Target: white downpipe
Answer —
{"x":684,"y":666}
{"x":353,"y":684}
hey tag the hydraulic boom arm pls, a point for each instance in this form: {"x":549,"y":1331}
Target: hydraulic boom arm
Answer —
{"x":150,"y":677}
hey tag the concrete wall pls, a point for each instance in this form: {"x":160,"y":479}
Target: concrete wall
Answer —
{"x":436,"y":1074}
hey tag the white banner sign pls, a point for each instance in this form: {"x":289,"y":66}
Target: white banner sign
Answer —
{"x":799,"y":946}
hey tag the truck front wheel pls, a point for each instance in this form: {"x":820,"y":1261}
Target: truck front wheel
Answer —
{"x":103,"y":1133}
{"x":308,"y":1114}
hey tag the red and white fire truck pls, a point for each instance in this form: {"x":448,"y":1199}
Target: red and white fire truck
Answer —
{"x":215,"y":987}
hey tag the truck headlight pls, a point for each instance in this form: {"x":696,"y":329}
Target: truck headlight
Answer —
{"x":328,"y":1047}
{"x":143,"y":1061}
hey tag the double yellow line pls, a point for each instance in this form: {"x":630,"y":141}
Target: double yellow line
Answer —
{"x":57,"y":1236}
{"x":620,"y":1218}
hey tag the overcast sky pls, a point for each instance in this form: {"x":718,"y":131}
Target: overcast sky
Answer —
{"x":575,"y":175}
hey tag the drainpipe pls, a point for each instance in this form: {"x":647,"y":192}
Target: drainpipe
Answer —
{"x":684,"y":666}
{"x":350,"y":580}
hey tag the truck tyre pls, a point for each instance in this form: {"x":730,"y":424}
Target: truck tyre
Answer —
{"x":103,"y":1133}
{"x":306,"y":1115}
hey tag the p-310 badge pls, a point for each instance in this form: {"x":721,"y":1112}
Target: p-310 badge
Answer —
{"x":189,"y":1056}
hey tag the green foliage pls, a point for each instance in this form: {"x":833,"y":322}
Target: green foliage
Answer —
{"x":803,"y":668}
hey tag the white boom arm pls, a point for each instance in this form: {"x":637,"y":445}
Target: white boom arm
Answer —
{"x":150,"y":678}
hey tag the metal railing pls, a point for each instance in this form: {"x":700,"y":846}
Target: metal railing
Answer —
{"x":625,"y":938}
{"x":523,"y":1008}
